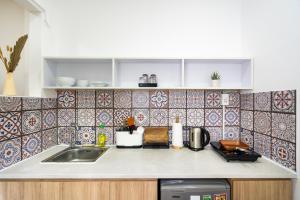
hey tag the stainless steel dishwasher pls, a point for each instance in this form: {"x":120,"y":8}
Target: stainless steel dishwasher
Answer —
{"x":194,"y":189}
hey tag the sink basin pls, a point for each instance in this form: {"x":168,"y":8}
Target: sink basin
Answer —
{"x":77,"y":154}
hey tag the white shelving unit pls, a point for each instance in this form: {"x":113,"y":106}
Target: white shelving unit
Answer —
{"x":128,"y":71}
{"x":92,"y":69}
{"x":172,"y":73}
{"x":235,"y":73}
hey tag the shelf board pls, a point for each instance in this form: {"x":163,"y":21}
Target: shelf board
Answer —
{"x":143,"y":88}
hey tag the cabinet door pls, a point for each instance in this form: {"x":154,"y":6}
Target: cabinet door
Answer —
{"x":133,"y":190}
{"x":54,"y":190}
{"x":261,"y":189}
{"x":85,"y":190}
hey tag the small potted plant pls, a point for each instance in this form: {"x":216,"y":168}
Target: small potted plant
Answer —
{"x":215,"y":79}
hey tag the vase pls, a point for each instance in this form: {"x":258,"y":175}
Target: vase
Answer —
{"x":9,"y":85}
{"x":215,"y":83}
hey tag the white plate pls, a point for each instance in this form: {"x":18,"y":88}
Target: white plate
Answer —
{"x":98,"y":84}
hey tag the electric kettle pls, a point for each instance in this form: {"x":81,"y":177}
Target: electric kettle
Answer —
{"x":198,"y":138}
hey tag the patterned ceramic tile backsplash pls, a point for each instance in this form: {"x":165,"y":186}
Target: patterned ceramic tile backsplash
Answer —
{"x":268,"y":122}
{"x":89,"y":108}
{"x":27,"y":126}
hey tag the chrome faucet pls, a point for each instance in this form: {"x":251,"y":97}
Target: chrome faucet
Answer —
{"x":73,"y":135}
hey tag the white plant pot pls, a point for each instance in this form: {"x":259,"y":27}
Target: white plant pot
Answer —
{"x":215,"y":83}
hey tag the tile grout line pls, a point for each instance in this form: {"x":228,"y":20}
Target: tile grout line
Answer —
{"x":95,"y":112}
{"x":21,"y":148}
{"x":271,"y":126}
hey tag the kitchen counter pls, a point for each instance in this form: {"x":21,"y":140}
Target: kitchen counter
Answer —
{"x":145,"y":164}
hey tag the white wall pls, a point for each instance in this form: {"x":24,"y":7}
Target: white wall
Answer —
{"x":142,"y":28}
{"x":13,"y":25}
{"x":271,"y":34}
{"x":267,"y":30}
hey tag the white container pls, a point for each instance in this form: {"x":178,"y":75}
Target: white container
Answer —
{"x":215,"y":83}
{"x":126,"y":140}
{"x":65,"y":81}
{"x":82,"y":83}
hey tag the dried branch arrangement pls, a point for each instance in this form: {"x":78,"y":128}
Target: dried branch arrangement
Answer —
{"x":14,"y":54}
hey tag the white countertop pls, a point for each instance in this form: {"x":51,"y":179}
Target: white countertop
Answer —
{"x":145,"y":164}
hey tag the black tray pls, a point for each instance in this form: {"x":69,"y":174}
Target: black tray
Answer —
{"x":129,"y":147}
{"x":251,"y":156}
{"x":147,"y":84}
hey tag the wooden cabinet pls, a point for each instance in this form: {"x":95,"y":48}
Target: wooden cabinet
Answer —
{"x":133,"y":190}
{"x":261,"y":189}
{"x":79,"y":190}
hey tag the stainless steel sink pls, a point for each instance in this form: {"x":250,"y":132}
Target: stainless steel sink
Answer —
{"x":77,"y":154}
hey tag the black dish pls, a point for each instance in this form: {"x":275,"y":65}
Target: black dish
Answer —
{"x":250,"y":155}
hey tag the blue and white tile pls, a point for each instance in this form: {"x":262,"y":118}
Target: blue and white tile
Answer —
{"x":31,"y":103}
{"x":10,"y":152}
{"x":232,"y":133}
{"x":159,"y":117}
{"x":247,"y":137}
{"x":159,"y":99}
{"x":49,"y":103}
{"x":141,"y":117}
{"x":140,"y":99}
{"x":215,"y":133}
{"x":104,"y":98}
{"x":64,"y":134}
{"x":213,"y":99}
{"x":86,"y":117}
{"x":213,"y":117}
{"x":120,"y":115}
{"x":195,"y":117}
{"x":284,"y":101}
{"x":247,"y":120}
{"x":86,"y":135}
{"x":234,"y":99}
{"x":66,"y":98}
{"x":31,"y":145}
{"x":181,"y":113}
{"x":284,"y":153}
{"x":262,"y":122}
{"x":232,"y":117}
{"x":49,"y":138}
{"x":177,"y":99}
{"x":170,"y":135}
{"x":8,"y":104}
{"x":195,"y":98}
{"x":31,"y":121}
{"x":262,"y":101}
{"x":104,"y":116}
{"x":284,"y":126}
{"x":10,"y":125}
{"x":66,"y":117}
{"x":85,"y":99}
{"x":262,"y":144}
{"x":247,"y":101}
{"x":49,"y":119}
{"x":122,"y":99}
{"x":185,"y":135}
